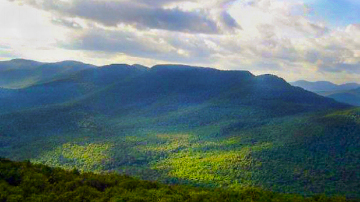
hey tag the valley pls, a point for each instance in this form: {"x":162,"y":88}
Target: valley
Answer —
{"x":187,"y":125}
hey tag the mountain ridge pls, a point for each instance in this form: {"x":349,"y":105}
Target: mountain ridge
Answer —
{"x":170,"y":122}
{"x":324,"y":86}
{"x":21,"y":73}
{"x":351,"y":97}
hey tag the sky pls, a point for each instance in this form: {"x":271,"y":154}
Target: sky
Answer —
{"x":294,"y":39}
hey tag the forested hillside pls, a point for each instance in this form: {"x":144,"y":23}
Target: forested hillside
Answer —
{"x":23,"y":181}
{"x":187,"y":125}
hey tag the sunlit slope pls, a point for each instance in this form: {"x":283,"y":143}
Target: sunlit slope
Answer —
{"x":199,"y":126}
{"x":298,"y":154}
{"x":23,"y":181}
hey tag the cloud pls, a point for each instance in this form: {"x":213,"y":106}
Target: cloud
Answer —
{"x":116,"y":42}
{"x":339,"y":51}
{"x":6,"y":52}
{"x":263,"y":36}
{"x":276,"y":40}
{"x":160,"y":45}
{"x":140,"y":14}
{"x":341,"y":67}
{"x":159,"y":2}
{"x":66,"y":22}
{"x":228,"y":20}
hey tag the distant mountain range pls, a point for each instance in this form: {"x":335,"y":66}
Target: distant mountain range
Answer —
{"x":118,"y":85}
{"x":181,"y":125}
{"x":347,"y":93}
{"x":20,"y":73}
{"x":351,"y":97}
{"x":324,"y":86}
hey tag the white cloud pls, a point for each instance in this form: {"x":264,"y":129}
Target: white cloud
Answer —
{"x":140,"y":14}
{"x":263,"y":36}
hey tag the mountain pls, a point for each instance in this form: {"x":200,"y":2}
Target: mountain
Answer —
{"x":105,"y":87}
{"x":348,"y":93}
{"x":180,"y":124}
{"x":351,"y":97}
{"x":178,"y":86}
{"x":324,"y":86}
{"x":66,"y":88}
{"x":20,"y":73}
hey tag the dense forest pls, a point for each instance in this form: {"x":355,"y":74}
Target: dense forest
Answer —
{"x":23,"y":181}
{"x":183,"y":125}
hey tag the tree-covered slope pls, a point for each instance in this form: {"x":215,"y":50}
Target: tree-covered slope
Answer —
{"x":191,"y":125}
{"x":66,"y":88}
{"x":303,"y":154}
{"x":112,"y":88}
{"x":175,"y":86}
{"x":23,"y":181}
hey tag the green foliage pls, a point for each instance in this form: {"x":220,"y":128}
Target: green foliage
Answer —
{"x":192,"y":126}
{"x":222,"y":167}
{"x":293,"y":154}
{"x":88,"y":157}
{"x":43,"y":183}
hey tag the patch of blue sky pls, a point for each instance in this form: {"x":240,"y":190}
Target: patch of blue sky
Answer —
{"x":338,"y":13}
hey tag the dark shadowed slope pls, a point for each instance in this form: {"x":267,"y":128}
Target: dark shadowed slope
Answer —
{"x":66,"y":88}
{"x":114,"y":87}
{"x":175,"y":86}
